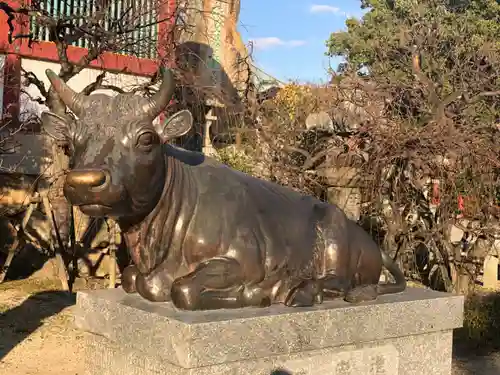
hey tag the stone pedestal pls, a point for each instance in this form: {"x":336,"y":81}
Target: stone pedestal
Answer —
{"x":403,"y":334}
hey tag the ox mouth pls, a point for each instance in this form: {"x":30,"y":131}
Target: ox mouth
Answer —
{"x":95,"y":210}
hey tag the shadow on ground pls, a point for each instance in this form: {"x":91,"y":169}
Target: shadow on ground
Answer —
{"x":473,"y":364}
{"x":26,"y":318}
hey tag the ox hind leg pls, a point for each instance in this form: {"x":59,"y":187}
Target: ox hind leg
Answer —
{"x":337,"y":262}
{"x":303,"y":293}
{"x":366,"y":290}
{"x":332,"y":286}
{"x":368,"y":268}
{"x":217,"y":283}
{"x":309,"y":292}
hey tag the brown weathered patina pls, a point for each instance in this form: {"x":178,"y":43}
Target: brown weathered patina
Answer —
{"x":201,"y":234}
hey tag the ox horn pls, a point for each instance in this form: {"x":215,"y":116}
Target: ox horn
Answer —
{"x":72,"y":99}
{"x":159,"y":101}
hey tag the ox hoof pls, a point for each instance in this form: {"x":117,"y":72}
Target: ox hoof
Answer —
{"x":129,"y":277}
{"x":184,"y":296}
{"x":304,"y":295}
{"x":255,"y":296}
{"x":154,"y":287}
{"x":362,"y":293}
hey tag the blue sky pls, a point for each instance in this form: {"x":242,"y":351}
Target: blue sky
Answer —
{"x":289,"y":35}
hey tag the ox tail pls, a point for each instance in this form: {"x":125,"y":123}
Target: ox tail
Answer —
{"x":400,"y":281}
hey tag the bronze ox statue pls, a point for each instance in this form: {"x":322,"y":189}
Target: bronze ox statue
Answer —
{"x":201,"y":234}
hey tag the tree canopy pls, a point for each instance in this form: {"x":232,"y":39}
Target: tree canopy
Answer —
{"x":437,"y":65}
{"x":444,"y":51}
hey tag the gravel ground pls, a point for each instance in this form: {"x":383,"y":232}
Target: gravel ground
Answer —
{"x":36,"y":333}
{"x":37,"y":336}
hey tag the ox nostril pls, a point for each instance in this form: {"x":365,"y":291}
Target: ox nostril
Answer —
{"x":89,"y":179}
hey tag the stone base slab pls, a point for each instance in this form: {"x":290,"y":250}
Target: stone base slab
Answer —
{"x":404,"y":334}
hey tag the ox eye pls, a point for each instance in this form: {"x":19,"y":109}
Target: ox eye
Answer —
{"x":146,"y":139}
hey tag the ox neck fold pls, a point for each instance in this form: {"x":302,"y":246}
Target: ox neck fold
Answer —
{"x":135,"y":223}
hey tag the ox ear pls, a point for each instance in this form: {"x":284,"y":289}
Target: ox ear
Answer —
{"x":176,"y":125}
{"x":55,"y":126}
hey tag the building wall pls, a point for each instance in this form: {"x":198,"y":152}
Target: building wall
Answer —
{"x":30,"y":107}
{"x":2,"y":65}
{"x":221,"y":51}
{"x":29,"y":153}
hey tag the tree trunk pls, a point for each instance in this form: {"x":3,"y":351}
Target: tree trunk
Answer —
{"x":61,"y":207}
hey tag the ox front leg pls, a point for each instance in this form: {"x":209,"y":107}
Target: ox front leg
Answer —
{"x":129,"y":277}
{"x":154,"y":286}
{"x":217,"y":283}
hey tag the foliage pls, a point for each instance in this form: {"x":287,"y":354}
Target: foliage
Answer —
{"x":291,"y":98}
{"x":285,"y":151}
{"x":236,"y":159}
{"x":481,"y":321}
{"x":438,"y":65}
{"x":427,"y":53}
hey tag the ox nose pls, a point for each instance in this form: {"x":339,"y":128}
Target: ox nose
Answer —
{"x":93,"y":179}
